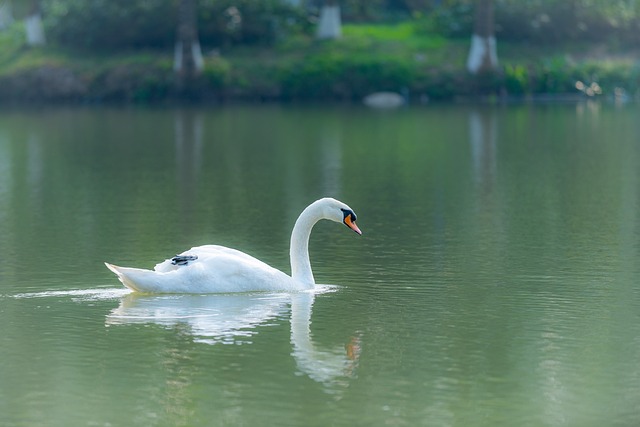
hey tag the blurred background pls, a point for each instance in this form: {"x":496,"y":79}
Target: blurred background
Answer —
{"x":148,"y":51}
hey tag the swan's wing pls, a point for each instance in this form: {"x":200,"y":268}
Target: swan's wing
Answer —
{"x":199,"y":253}
{"x":216,"y":269}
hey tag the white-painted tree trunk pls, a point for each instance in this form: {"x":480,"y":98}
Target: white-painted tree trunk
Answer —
{"x":483,"y":54}
{"x":330,"y":23}
{"x":197,"y":57}
{"x":34,"y":30}
{"x":6,"y":16}
{"x":188,"y":62}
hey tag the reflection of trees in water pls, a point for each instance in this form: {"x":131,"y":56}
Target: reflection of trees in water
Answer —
{"x":7,"y":191}
{"x":488,"y":215}
{"x":314,"y":158}
{"x":482,"y":139}
{"x":188,"y":128}
{"x":544,"y":207}
{"x":241,"y":149}
{"x":24,"y":199}
{"x":331,"y":159}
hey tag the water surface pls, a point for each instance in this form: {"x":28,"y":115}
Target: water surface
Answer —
{"x":496,"y":282}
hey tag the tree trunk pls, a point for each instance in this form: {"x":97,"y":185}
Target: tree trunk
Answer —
{"x":188,"y":62}
{"x":6,"y":16}
{"x":482,"y":55}
{"x":33,"y":25}
{"x":330,"y":23}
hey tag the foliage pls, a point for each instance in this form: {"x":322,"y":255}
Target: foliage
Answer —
{"x":11,"y":43}
{"x":345,"y":77}
{"x":228,"y":22}
{"x":217,"y":73}
{"x":557,"y":21}
{"x":110,"y":24}
{"x":137,"y":77}
{"x":558,"y":75}
{"x":454,"y":18}
{"x":117,"y":24}
{"x":363,"y":11}
{"x":545,"y":21}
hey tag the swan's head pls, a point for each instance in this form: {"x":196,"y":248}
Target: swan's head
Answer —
{"x":337,"y":211}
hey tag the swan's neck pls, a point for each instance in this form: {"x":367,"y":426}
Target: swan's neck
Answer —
{"x":299,"y":250}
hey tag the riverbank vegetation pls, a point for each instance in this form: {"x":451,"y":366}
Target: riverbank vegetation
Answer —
{"x":123,"y":51}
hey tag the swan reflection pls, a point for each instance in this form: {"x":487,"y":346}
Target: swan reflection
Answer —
{"x":210,"y":319}
{"x":322,"y":365}
{"x":234,"y":318}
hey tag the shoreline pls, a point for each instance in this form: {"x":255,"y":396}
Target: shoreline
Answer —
{"x":322,"y":74}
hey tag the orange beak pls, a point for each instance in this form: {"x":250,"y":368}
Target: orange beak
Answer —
{"x":352,"y":224}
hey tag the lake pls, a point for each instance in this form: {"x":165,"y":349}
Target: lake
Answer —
{"x":496,"y":283}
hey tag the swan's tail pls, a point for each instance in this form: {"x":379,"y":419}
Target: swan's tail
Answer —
{"x":136,"y":279}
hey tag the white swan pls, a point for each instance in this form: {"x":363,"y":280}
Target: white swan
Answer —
{"x":214,"y":269}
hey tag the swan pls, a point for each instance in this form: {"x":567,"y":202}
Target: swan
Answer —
{"x":218,"y":269}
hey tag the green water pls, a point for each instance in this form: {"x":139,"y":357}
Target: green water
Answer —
{"x":497,"y":281}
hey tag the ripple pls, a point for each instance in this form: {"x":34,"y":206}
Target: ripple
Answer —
{"x":115,"y":293}
{"x":78,"y":294}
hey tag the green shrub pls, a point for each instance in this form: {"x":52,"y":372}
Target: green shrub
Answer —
{"x":439,"y":83}
{"x":516,"y":79}
{"x":217,"y":73}
{"x":558,"y":76}
{"x":131,"y":82}
{"x":344,"y":77}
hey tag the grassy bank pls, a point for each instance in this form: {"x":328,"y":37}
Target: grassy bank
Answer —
{"x":367,"y":59}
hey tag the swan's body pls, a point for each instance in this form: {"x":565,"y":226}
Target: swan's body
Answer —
{"x":214,"y":269}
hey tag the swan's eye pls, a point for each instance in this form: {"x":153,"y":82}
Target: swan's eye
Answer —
{"x":346,"y":213}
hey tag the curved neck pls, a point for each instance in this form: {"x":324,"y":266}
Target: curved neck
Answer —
{"x":299,"y":249}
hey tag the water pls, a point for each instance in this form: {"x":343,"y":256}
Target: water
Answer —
{"x":496,"y":282}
